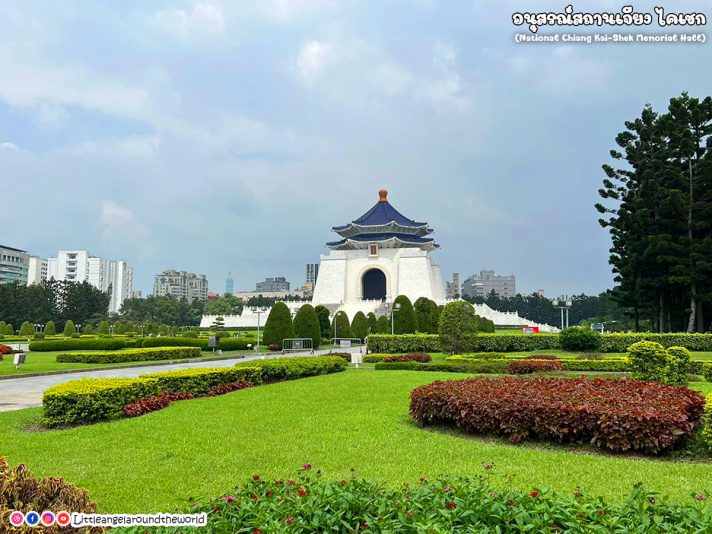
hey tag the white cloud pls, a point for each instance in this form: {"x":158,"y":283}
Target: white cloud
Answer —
{"x":446,"y":91}
{"x":9,"y":147}
{"x":391,"y":79}
{"x":122,"y":226}
{"x":202,"y":19}
{"x":134,"y":146}
{"x":287,"y":10}
{"x":313,"y":58}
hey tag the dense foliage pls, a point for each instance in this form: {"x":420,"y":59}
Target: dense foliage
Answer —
{"x":578,"y":338}
{"x":359,"y":325}
{"x":619,"y":415}
{"x":278,"y":369}
{"x":306,"y":325}
{"x":427,"y":315}
{"x":51,"y":345}
{"x":660,"y":215}
{"x":21,"y":490}
{"x":163,"y":310}
{"x":322,"y":313}
{"x":404,"y":319}
{"x":278,"y":326}
{"x":52,"y":300}
{"x":308,"y":503}
{"x":130,"y":355}
{"x":458,"y":324}
{"x":340,"y":326}
{"x":651,"y":361}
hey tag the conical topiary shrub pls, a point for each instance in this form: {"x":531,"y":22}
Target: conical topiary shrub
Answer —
{"x":306,"y":324}
{"x":278,"y":326}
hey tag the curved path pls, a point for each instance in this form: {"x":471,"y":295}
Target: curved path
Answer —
{"x":20,"y":393}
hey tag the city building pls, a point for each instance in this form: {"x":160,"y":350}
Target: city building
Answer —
{"x":136,"y":294}
{"x":312,"y":273}
{"x":181,"y":285}
{"x":380,"y":255}
{"x":36,"y":270}
{"x":540,"y":292}
{"x":481,"y":285}
{"x":453,"y":288}
{"x":272,"y":285}
{"x":229,"y":284}
{"x":13,"y":265}
{"x":80,"y":266}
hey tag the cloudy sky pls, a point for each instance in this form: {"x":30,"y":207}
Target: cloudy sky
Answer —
{"x":209,"y":135}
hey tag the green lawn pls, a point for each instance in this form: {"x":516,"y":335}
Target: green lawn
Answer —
{"x":42,"y":362}
{"x":355,"y":419}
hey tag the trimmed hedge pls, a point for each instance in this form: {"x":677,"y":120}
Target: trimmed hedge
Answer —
{"x":486,"y":367}
{"x":200,"y":381}
{"x":374,"y":358}
{"x":619,"y":415}
{"x":48,"y":345}
{"x":422,"y":357}
{"x":226,"y":343}
{"x":524,"y":367}
{"x":130,"y":355}
{"x":278,"y":369}
{"x":705,"y":370}
{"x":385,"y":343}
{"x":93,"y":399}
{"x":707,"y":430}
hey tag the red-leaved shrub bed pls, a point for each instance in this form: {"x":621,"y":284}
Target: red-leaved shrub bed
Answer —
{"x":547,"y":357}
{"x":421,"y":357}
{"x":619,"y":415}
{"x":523,"y":367}
{"x":158,"y":402}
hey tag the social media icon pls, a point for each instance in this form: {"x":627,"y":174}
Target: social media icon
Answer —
{"x":17,"y":518}
{"x":32,"y":518}
{"x":47,"y":518}
{"x":63,"y":518}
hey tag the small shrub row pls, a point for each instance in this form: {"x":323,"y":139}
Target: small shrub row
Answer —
{"x":374,"y":358}
{"x":422,"y":357}
{"x":345,"y":355}
{"x":707,"y":429}
{"x":201,"y":381}
{"x":48,"y":345}
{"x":131,"y":355}
{"x":473,"y":367}
{"x":278,"y":369}
{"x":619,"y":415}
{"x":570,"y":364}
{"x":386,"y":343}
{"x":523,"y":367}
{"x":309,"y":503}
{"x":152,"y":404}
{"x":547,"y":357}
{"x":116,"y":343}
{"x":706,"y":371}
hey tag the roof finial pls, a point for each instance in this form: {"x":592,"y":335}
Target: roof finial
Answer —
{"x":383,"y":194}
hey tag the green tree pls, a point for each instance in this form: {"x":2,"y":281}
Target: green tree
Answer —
{"x":306,"y":324}
{"x":341,"y":326}
{"x":69,"y":329}
{"x":383,"y":325}
{"x":50,"y":329}
{"x":580,"y":338}
{"x":404,"y":320}
{"x":458,"y":323}
{"x":359,"y":325}
{"x":3,"y":326}
{"x":322,"y":313}
{"x":372,"y":323}
{"x":103,"y":328}
{"x":278,"y":326}
{"x":27,"y":329}
{"x":120,"y":328}
{"x":88,"y":330}
{"x":427,"y":315}
{"x":9,"y":329}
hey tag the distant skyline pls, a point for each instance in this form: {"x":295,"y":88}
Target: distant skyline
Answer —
{"x":210,"y":136}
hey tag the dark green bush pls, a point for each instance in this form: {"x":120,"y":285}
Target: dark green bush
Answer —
{"x":359,"y":325}
{"x":427,"y":315}
{"x":579,"y":338}
{"x":131,"y":355}
{"x":278,"y":326}
{"x":48,"y":345}
{"x":340,"y":326}
{"x":404,"y":320}
{"x":458,"y":324}
{"x":306,"y":325}
{"x":490,"y":366}
{"x":69,"y":328}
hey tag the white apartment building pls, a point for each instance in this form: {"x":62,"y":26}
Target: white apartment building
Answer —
{"x":81,"y":266}
{"x":181,"y":285}
{"x":36,"y":270}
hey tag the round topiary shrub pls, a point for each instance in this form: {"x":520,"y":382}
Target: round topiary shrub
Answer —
{"x":647,"y":360}
{"x":578,"y":338}
{"x":359,"y":325}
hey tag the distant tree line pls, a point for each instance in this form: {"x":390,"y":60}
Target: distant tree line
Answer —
{"x":52,"y":300}
{"x":164,"y":310}
{"x":658,"y":209}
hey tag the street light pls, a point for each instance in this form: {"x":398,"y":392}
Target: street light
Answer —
{"x":564,"y":304}
{"x":394,"y":309}
{"x":111,"y":329}
{"x":259,"y":311}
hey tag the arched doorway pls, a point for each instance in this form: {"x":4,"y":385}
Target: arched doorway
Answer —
{"x":373,"y":285}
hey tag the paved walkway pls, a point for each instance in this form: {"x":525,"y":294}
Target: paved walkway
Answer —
{"x":20,"y":393}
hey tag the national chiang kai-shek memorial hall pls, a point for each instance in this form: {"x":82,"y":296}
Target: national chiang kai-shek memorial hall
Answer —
{"x":380,"y":255}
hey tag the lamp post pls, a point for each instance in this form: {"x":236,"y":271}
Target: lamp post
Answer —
{"x":259,"y":311}
{"x":111,"y":329}
{"x":395,"y":308}
{"x":78,"y":327}
{"x":564,"y":304}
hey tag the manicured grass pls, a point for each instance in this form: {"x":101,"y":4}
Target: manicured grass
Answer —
{"x":42,"y":362}
{"x":359,"y":419}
